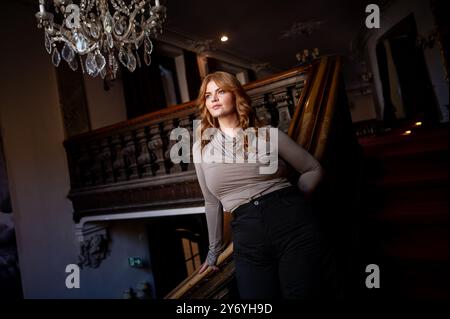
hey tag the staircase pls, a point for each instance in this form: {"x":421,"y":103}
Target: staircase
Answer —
{"x":404,"y":227}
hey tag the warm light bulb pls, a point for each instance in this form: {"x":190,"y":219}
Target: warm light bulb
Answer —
{"x":418,"y":124}
{"x":224,"y":38}
{"x":407,"y":132}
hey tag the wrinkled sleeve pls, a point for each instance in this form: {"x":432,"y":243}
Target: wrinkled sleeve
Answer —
{"x":307,"y":165}
{"x":214,"y":218}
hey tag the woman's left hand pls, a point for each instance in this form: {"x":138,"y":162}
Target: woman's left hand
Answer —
{"x":205,"y":266}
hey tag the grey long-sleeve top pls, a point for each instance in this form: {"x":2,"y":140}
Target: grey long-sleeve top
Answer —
{"x":226,"y":184}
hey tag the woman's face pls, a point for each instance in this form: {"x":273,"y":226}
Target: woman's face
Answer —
{"x":218,"y":102}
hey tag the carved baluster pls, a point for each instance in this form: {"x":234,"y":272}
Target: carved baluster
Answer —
{"x":155,"y":145}
{"x":270,"y":104}
{"x":283,"y":111}
{"x":84,"y":162}
{"x":297,"y":91}
{"x":170,"y":167}
{"x":290,"y":92}
{"x":186,"y":122}
{"x":258,"y":104}
{"x":119,"y":162}
{"x":130,"y":155}
{"x":97,"y":171}
{"x":144,"y":158}
{"x":262,"y":114}
{"x":106,"y":158}
{"x":74,"y":169}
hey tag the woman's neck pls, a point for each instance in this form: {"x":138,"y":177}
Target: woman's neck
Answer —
{"x":229,"y":124}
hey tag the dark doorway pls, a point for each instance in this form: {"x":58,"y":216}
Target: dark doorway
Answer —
{"x":143,"y":88}
{"x":168,"y":237}
{"x":440,"y":11}
{"x":151,"y":88}
{"x":416,"y":91}
{"x":168,"y":73}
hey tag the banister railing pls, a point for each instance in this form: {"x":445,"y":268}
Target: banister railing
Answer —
{"x":312,"y":120}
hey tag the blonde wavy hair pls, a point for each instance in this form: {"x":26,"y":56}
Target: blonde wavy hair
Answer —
{"x":229,"y":83}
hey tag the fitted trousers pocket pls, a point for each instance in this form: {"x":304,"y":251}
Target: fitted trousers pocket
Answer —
{"x":294,"y":208}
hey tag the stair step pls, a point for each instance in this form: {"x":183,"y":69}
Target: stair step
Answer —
{"x":408,"y":168}
{"x":406,"y":198}
{"x":419,"y":179}
{"x":426,"y":138}
{"x":430,"y":161}
{"x":429,"y":215}
{"x":411,"y":205}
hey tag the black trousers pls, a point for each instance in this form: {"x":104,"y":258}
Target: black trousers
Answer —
{"x":278,"y":249}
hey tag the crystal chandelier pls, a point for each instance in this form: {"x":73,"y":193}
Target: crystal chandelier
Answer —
{"x":98,"y":33}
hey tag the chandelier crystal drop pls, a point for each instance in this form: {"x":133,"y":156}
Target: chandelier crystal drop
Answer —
{"x":99,"y":33}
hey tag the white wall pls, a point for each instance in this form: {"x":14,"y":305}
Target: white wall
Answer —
{"x":114,"y":276}
{"x":33,"y":134}
{"x":32,"y":130}
{"x":362,"y":107}
{"x":397,"y":11}
{"x":182,"y":81}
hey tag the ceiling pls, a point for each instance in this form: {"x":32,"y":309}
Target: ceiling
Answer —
{"x":255,"y":27}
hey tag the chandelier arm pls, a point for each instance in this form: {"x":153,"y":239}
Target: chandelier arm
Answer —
{"x":124,"y":9}
{"x":87,"y":34}
{"x":87,"y":6}
{"x":73,"y":47}
{"x":98,"y":30}
{"x":59,"y":29}
{"x":137,"y":39}
{"x":127,"y":33}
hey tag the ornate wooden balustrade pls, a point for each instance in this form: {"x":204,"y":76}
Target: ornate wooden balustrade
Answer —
{"x":126,"y":167}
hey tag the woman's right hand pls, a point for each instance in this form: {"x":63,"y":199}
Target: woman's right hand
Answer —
{"x":205,"y":266}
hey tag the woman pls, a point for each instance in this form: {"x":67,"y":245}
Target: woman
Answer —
{"x":277,"y":249}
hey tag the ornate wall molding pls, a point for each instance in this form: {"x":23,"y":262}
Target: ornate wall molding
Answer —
{"x":93,"y":235}
{"x":94,"y":245}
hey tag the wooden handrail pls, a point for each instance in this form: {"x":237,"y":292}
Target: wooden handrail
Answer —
{"x":311,"y":105}
{"x":188,"y":106}
{"x":310,"y":125}
{"x":325,"y":125}
{"x":146,"y":118}
{"x":278,"y":77}
{"x":294,"y":128}
{"x":195,"y":278}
